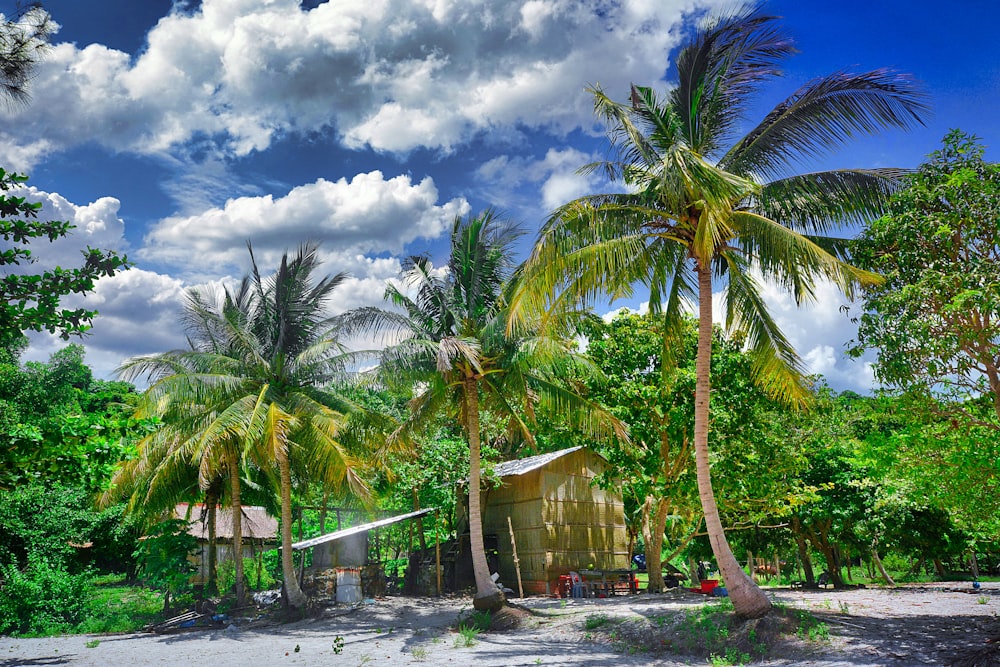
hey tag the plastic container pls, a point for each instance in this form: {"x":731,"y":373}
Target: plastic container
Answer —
{"x":349,"y":584}
{"x":708,"y":585}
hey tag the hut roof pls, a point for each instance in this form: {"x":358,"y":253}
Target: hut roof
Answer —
{"x":523,"y":466}
{"x":257,"y":523}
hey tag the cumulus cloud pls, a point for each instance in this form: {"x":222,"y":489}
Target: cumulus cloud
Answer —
{"x":95,"y":224}
{"x":551,"y":181}
{"x":818,"y":331}
{"x":390,"y":74}
{"x":139,"y":313}
{"x":356,"y":221}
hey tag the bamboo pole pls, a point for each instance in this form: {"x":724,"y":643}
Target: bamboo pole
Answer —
{"x":517,"y":562}
{"x":437,"y":547}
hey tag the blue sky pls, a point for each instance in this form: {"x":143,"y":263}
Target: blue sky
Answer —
{"x":177,"y":131}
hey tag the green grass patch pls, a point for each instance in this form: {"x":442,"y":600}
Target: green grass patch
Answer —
{"x":595,"y":621}
{"x":117,"y":607}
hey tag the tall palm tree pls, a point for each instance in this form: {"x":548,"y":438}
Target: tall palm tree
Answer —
{"x":703,"y":206}
{"x":448,"y":337}
{"x":251,"y":392}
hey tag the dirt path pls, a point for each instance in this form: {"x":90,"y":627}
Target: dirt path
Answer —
{"x":913,"y":625}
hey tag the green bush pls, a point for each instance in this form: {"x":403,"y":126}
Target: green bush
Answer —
{"x":41,"y":599}
{"x":163,"y":559}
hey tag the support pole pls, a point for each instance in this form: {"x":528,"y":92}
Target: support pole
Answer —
{"x":517,"y":563}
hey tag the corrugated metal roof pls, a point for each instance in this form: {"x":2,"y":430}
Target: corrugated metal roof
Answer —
{"x":354,"y":530}
{"x":257,"y":523}
{"x":522,"y":466}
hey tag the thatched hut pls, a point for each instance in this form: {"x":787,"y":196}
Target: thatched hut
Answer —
{"x":260,"y":533}
{"x":561,"y":519}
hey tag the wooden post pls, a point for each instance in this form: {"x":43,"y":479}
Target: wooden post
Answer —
{"x":302,"y":560}
{"x":517,"y":563}
{"x":420,"y":521}
{"x":437,"y":547}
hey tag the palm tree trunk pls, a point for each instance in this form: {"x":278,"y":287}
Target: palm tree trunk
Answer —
{"x":212,"y":581}
{"x":237,"y":510}
{"x":488,"y":596}
{"x":748,"y":600}
{"x":294,"y":596}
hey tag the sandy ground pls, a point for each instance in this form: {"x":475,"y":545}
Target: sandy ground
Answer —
{"x":911,"y":625}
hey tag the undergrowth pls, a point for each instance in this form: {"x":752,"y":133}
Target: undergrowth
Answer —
{"x":42,"y":602}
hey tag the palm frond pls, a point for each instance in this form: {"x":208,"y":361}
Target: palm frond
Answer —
{"x":820,"y":202}
{"x":794,"y":260}
{"x":776,"y":366}
{"x":826,"y":113}
{"x":728,"y":59}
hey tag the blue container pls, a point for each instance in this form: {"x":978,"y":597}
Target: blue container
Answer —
{"x":720,"y":592}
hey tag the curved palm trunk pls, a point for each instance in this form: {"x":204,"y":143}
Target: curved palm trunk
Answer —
{"x":237,"y":509}
{"x":488,"y":596}
{"x":294,"y":596}
{"x":748,"y":600}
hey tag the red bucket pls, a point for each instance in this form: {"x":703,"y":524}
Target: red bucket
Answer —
{"x":708,"y":585}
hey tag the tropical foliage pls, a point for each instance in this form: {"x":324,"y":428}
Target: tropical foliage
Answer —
{"x":24,"y":36}
{"x":481,"y":360}
{"x":31,"y":302}
{"x":935,"y":320}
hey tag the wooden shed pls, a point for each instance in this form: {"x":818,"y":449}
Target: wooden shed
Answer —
{"x":562,"y":520}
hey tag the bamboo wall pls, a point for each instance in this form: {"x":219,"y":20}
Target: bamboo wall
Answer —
{"x":561,"y":522}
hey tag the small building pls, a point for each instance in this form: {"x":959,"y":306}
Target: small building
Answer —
{"x":561,"y":519}
{"x":260,"y":534}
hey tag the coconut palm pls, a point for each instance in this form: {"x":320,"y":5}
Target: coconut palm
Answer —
{"x":702,"y":206}
{"x":448,"y":338}
{"x":249,"y":393}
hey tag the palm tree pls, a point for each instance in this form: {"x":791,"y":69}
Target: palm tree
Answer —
{"x":700,"y":207}
{"x":250,"y":391}
{"x":448,"y":337}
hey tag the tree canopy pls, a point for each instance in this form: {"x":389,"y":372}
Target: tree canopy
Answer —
{"x":935,"y":320}
{"x":31,"y":302}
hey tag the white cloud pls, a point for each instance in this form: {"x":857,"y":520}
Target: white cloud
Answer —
{"x":554,"y":176}
{"x":139,"y":313}
{"x":820,"y":331}
{"x":354,"y":220}
{"x":392,"y":74}
{"x":95,"y":224}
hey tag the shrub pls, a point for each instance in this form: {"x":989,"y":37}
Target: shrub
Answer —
{"x":163,"y":558}
{"x":259,"y":579}
{"x":41,"y":599}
